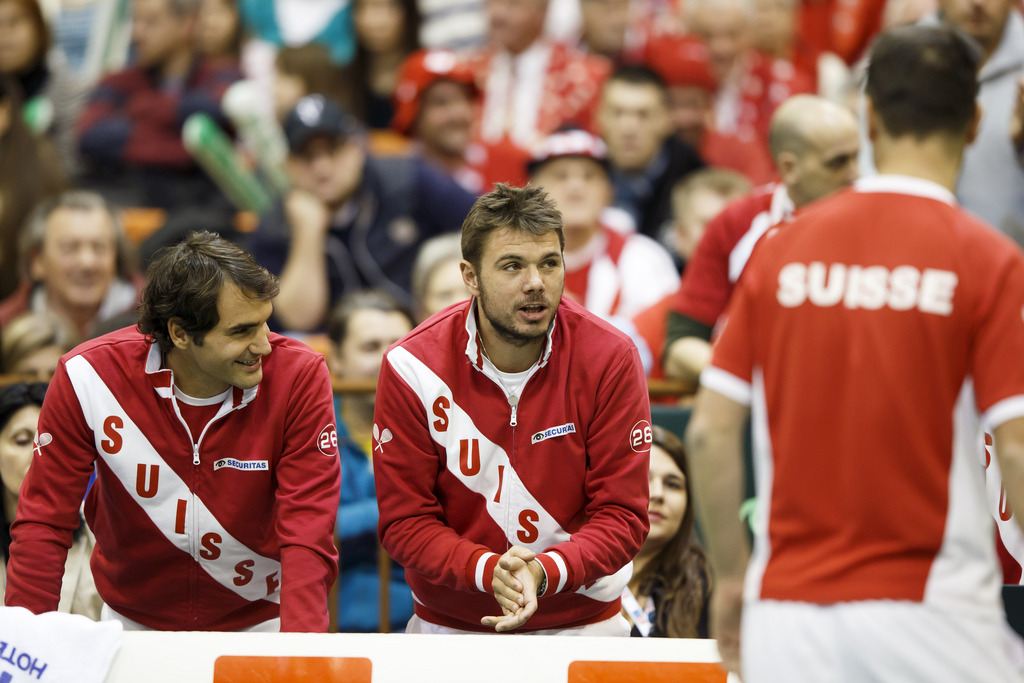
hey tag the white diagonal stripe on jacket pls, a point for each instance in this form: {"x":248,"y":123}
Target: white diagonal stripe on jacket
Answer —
{"x":98,"y":402}
{"x":514,"y":495}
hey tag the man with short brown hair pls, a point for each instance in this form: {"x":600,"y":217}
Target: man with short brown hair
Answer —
{"x":511,"y":439}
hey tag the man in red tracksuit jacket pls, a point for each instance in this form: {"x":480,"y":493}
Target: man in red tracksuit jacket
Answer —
{"x":511,"y":442}
{"x":215,"y":453}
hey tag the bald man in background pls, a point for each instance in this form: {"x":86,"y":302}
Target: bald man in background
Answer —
{"x":814,"y":145}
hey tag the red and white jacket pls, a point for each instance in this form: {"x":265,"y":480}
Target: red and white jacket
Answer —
{"x":462,"y":476}
{"x":724,"y":250}
{"x":221,"y":533}
{"x":530,"y":95}
{"x":615,"y":274}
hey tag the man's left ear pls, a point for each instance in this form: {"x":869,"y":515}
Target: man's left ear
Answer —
{"x":871,"y":116}
{"x":972,"y":129}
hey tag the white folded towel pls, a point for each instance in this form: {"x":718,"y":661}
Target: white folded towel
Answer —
{"x":55,"y":647}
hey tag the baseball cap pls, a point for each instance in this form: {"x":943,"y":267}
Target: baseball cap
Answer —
{"x":681,"y":61}
{"x":420,"y":70}
{"x":317,"y":116}
{"x":568,"y":142}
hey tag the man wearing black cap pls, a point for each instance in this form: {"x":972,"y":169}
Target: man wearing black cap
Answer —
{"x":352,"y":220}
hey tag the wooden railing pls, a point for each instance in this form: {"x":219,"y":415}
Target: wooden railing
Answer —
{"x":657,"y":388}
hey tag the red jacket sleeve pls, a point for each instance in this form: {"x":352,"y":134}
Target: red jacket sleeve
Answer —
{"x":412,"y":524}
{"x":49,"y":500}
{"x":308,"y":489}
{"x":618,"y":451}
{"x":705,"y":288}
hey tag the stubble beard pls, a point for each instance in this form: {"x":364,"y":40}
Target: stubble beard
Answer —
{"x":506,"y":332}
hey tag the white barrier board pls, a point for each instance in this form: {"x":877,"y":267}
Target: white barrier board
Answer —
{"x":400,"y":658}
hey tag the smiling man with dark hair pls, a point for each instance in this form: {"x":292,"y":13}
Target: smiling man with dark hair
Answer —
{"x":215,"y":453}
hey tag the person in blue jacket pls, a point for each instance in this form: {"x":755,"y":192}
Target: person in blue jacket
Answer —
{"x":361,"y":327}
{"x":351,"y":220}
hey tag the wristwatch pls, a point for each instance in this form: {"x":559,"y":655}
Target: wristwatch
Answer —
{"x":542,"y":588}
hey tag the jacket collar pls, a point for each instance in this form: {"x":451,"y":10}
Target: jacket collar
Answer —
{"x":475,"y":353}
{"x":162,"y":379}
{"x":901,"y":184}
{"x":781,"y":207}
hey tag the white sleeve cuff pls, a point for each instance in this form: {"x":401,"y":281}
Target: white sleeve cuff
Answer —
{"x":727,"y":384}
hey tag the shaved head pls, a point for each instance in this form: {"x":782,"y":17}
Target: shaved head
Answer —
{"x":814,"y":143}
{"x":802,"y":119}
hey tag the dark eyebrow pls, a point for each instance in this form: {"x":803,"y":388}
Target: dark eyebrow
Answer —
{"x":515,"y":257}
{"x":242,"y":327}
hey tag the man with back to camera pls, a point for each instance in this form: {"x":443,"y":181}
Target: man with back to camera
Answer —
{"x":215,"y":453}
{"x":511,"y":439}
{"x":878,"y":336}
{"x":814,"y":145}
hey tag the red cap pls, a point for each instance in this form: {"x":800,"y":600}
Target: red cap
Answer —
{"x":681,"y":61}
{"x":420,"y":70}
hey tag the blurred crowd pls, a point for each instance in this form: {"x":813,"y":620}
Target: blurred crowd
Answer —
{"x":342,"y":142}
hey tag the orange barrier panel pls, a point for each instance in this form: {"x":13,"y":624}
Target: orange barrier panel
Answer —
{"x":239,"y":669}
{"x":645,"y":672}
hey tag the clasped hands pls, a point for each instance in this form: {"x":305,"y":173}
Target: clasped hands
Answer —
{"x":515,"y":582}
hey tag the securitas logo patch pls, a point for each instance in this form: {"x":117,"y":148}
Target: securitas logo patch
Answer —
{"x":552,"y":432}
{"x":244,"y":465}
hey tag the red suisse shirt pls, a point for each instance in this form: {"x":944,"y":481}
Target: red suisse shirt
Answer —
{"x":875,"y":337}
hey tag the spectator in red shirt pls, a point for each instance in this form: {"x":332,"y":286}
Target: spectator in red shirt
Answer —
{"x":532,"y":86}
{"x":750,"y":84}
{"x":130,"y":130}
{"x":684,"y":63}
{"x":434,"y":102}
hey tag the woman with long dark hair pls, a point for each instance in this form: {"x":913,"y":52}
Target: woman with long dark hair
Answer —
{"x":671,"y":585}
{"x":386,"y":32}
{"x":51,"y":95}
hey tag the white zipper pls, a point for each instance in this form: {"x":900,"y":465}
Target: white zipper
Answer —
{"x":194,"y":536}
